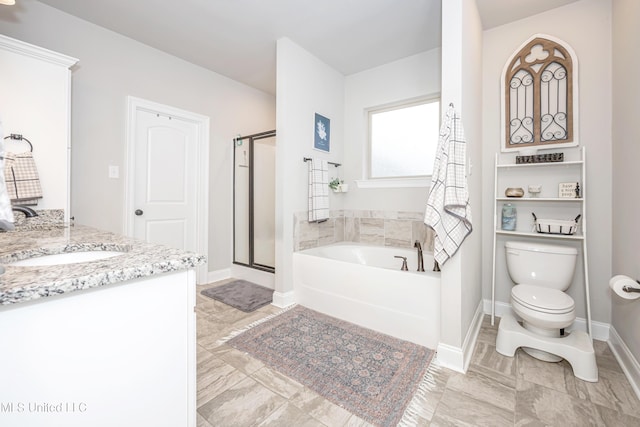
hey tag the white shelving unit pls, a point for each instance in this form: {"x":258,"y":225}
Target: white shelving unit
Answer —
{"x":547,"y":206}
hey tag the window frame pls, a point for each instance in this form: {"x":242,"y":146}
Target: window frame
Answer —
{"x":395,"y":181}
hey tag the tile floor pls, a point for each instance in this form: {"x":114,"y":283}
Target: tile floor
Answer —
{"x":236,"y":390}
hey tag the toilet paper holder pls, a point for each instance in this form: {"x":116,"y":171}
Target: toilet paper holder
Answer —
{"x":628,"y":288}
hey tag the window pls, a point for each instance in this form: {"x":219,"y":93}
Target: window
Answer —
{"x":539,"y":96}
{"x":403,"y":139}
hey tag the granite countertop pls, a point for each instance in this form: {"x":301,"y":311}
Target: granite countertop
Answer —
{"x":140,"y":259}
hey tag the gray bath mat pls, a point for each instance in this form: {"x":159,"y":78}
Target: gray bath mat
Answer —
{"x":240,"y":294}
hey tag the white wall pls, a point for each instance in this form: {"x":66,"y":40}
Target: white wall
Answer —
{"x":586,"y":27}
{"x":626,"y":174}
{"x":412,"y":77}
{"x":472,"y":115}
{"x":112,"y":67}
{"x":460,"y":293}
{"x":305,"y":86}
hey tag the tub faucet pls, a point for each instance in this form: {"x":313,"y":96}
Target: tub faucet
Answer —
{"x":404,"y":262}
{"x":420,"y":258}
{"x":28,"y":212}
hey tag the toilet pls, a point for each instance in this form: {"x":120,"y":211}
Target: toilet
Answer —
{"x":542,"y":273}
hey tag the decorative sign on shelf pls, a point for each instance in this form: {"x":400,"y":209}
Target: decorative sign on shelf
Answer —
{"x":541,"y":158}
{"x":569,"y":190}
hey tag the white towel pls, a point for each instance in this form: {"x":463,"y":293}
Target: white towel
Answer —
{"x":448,"y":211}
{"x":318,"y":190}
{"x":6,"y":214}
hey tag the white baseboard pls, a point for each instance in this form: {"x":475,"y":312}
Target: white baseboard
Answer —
{"x":259,"y":277}
{"x":627,"y":361}
{"x":599,"y":330}
{"x":217,"y":275}
{"x":283,"y":299}
{"x":469,"y":343}
{"x":450,"y":357}
{"x":459,"y":358}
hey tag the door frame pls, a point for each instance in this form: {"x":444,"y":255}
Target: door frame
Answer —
{"x":202,"y":181}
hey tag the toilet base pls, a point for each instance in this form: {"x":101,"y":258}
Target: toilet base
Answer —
{"x":576,"y":348}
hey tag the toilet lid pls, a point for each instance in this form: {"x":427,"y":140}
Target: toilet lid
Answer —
{"x":541,"y":299}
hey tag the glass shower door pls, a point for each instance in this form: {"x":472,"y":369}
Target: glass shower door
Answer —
{"x":264,"y":198}
{"x":254,"y":201}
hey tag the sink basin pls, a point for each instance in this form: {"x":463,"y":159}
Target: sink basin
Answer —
{"x":65,"y":258}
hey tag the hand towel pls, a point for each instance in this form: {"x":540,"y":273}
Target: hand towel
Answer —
{"x":318,"y":190}
{"x":21,"y":177}
{"x":6,"y":214}
{"x":448,"y":211}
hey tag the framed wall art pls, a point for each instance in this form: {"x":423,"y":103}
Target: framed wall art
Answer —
{"x":322,"y":133}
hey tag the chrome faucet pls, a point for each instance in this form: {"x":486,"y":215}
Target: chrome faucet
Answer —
{"x":420,"y":258}
{"x":28,"y":212}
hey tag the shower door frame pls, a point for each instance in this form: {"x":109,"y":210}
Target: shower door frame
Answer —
{"x":252,"y":139}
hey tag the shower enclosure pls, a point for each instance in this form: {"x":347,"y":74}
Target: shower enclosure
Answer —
{"x":254,"y":159}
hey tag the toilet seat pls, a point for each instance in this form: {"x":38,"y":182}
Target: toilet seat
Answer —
{"x":544,"y":300}
{"x":543,"y":310}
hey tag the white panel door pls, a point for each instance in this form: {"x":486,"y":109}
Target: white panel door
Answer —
{"x":165,"y":206}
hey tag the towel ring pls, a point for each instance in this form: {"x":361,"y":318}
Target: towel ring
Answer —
{"x":18,"y":137}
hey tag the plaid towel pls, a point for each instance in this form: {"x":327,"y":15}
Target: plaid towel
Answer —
{"x":318,"y":190}
{"x":6,"y":214}
{"x":448,"y":212}
{"x":21,"y":177}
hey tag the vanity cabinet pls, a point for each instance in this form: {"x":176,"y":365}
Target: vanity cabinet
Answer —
{"x":546,"y":205}
{"x":116,"y":355}
{"x":35,"y":84}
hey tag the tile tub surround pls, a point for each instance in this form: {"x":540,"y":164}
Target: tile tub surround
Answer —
{"x":20,"y":284}
{"x":383,"y":228}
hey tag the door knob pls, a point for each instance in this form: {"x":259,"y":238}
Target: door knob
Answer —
{"x":138,"y":212}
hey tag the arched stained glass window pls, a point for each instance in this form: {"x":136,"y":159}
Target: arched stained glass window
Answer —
{"x":538,"y":96}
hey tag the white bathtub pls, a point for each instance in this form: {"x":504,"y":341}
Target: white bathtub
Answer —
{"x":364,"y":285}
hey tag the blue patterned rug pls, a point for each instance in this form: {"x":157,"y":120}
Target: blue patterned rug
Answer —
{"x":372,"y":375}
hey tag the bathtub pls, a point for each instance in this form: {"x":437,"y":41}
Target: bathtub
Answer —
{"x":364,"y":285}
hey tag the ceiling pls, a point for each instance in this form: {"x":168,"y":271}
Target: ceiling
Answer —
{"x":237,"y":38}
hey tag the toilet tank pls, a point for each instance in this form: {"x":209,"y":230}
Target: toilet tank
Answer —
{"x":550,"y":266}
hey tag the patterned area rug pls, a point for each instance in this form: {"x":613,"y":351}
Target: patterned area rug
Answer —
{"x":370,"y":374}
{"x":241,"y":294}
